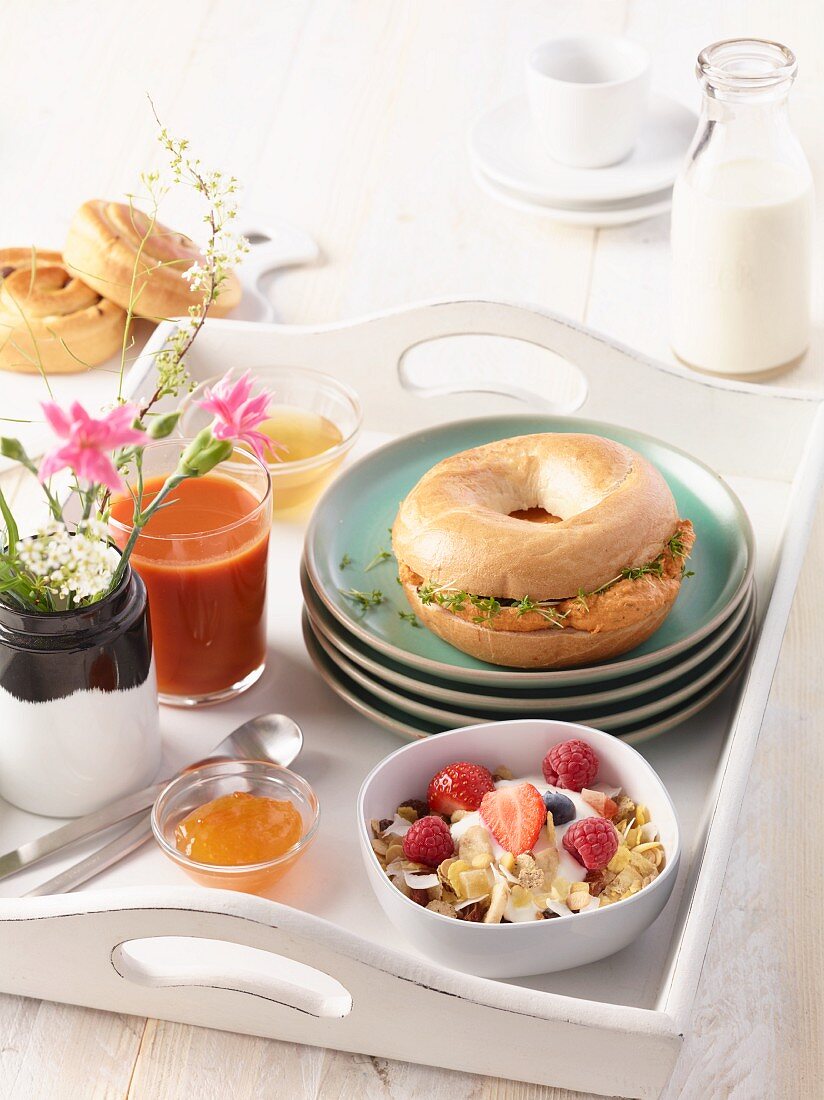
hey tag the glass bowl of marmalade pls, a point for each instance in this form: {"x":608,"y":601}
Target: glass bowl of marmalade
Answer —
{"x":236,"y":824}
{"x":315,"y":419}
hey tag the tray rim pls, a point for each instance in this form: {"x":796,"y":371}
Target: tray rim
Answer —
{"x":502,"y":676}
{"x":658,"y":1031}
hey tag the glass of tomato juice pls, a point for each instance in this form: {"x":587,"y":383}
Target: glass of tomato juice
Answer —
{"x":202,"y":557}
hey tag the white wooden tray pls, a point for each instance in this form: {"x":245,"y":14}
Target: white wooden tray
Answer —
{"x":324,"y":966}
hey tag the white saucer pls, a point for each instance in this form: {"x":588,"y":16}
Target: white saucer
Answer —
{"x":593,"y":214}
{"x":504,"y":147}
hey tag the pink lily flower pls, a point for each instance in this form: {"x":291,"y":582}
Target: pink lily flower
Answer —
{"x":237,"y":414}
{"x":88,"y":442}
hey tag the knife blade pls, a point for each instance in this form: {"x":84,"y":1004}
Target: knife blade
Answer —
{"x":105,"y":857}
{"x":79,"y":829}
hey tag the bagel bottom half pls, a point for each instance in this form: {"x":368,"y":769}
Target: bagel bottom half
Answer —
{"x":550,"y":648}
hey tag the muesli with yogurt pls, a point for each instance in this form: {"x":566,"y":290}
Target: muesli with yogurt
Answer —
{"x":487,"y":847}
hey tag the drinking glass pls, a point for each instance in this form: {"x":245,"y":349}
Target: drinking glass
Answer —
{"x":203,"y":560}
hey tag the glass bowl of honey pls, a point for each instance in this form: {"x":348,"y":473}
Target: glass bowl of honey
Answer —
{"x":314,"y":417}
{"x":236,"y":824}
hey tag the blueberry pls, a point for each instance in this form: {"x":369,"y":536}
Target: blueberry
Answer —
{"x":560,"y":807}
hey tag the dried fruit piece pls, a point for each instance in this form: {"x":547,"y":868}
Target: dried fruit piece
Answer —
{"x":521,"y":906}
{"x":474,"y":884}
{"x":474,"y":842}
{"x":593,"y":841}
{"x":600,"y":802}
{"x":416,"y":805}
{"x":429,"y":841}
{"x":515,"y":816}
{"x":579,"y":897}
{"x":459,"y":786}
{"x":473,"y":913}
{"x":497,"y":903}
{"x":548,"y":858}
{"x":572,"y":765}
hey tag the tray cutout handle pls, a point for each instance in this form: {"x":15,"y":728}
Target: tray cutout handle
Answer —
{"x":175,"y":961}
{"x":511,"y":366}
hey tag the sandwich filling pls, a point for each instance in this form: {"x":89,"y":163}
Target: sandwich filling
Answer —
{"x":631,"y":597}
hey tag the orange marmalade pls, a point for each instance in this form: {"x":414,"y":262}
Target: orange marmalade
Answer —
{"x":237,"y":829}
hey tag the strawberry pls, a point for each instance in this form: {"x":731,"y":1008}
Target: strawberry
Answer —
{"x":515,"y":816}
{"x":459,"y":786}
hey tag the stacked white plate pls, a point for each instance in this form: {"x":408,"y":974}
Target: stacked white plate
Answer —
{"x":510,"y":166}
{"x":373,"y":652}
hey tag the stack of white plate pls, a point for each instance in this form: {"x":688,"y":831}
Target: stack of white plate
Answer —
{"x":372,"y":651}
{"x":510,"y":166}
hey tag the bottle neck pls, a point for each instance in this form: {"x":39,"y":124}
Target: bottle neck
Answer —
{"x":745,"y":113}
{"x":748,"y":110}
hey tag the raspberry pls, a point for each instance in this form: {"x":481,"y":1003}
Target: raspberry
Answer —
{"x":459,"y":786}
{"x":593,"y":841}
{"x":572,"y":765}
{"x":428,"y":841}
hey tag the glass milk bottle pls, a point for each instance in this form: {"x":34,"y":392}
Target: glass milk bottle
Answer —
{"x":742,"y":219}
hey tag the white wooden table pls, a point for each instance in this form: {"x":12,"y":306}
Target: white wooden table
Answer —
{"x":349,"y":117}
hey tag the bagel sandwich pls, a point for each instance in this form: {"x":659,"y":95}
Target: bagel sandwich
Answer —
{"x":542,"y":551}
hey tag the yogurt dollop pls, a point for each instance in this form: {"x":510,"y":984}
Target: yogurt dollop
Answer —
{"x":568,"y":866}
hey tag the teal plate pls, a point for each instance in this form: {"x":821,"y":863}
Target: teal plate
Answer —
{"x":389,"y":717}
{"x":609,"y":718}
{"x":430,"y":688}
{"x":352,"y":520}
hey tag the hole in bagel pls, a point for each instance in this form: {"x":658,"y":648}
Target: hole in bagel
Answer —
{"x":535,"y":515}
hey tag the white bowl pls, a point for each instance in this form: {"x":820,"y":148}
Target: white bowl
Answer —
{"x":539,"y":947}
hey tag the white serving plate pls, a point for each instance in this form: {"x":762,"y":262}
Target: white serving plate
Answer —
{"x":634,"y":723}
{"x":593,"y":215}
{"x":334,"y":972}
{"x":506,"y":149}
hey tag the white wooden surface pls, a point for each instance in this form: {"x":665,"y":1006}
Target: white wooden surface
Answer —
{"x":350,"y":118}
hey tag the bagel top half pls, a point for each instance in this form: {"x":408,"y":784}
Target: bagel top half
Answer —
{"x":464,"y":525}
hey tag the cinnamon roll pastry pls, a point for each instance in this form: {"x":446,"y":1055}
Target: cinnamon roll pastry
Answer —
{"x":50,"y":320}
{"x":116,"y":250}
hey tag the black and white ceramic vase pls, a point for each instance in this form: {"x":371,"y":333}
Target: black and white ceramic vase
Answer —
{"x":78,"y":704}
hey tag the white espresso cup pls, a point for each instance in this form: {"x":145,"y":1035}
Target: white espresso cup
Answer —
{"x":588,"y":97}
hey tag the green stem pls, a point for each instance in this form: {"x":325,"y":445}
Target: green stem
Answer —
{"x":140,"y":522}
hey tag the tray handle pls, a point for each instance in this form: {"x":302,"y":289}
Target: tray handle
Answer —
{"x":184,"y":961}
{"x":532,"y":381}
{"x":310,"y":981}
{"x":272,"y":245}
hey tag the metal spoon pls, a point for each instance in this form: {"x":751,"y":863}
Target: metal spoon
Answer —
{"x":274,"y":737}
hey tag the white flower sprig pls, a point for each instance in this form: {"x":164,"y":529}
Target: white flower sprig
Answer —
{"x":72,"y":568}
